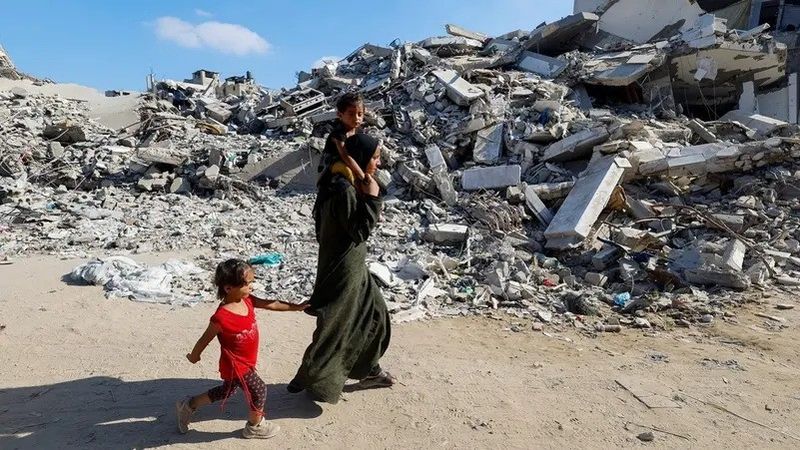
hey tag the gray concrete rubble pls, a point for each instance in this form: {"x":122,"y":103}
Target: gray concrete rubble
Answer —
{"x":633,"y":160}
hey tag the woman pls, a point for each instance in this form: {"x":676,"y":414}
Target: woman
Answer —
{"x":353,"y":328}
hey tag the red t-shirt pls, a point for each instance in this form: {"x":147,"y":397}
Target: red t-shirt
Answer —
{"x":238,"y":340}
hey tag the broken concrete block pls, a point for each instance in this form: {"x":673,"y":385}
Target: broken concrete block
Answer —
{"x":595,"y":279}
{"x":576,"y":146}
{"x":295,"y":169}
{"x":383,"y":274}
{"x":218,"y":113}
{"x":764,"y":125}
{"x":702,"y":131}
{"x":456,"y":30}
{"x":451,"y":41}
{"x":435,"y":158}
{"x":537,"y":207}
{"x":65,"y":133}
{"x":446,"y":233}
{"x":713,"y":277}
{"x":491,"y":177}
{"x":161,"y":155}
{"x":541,"y":65}
{"x":733,"y":258}
{"x":459,"y":90}
{"x":488,"y":145}
{"x":606,"y":256}
{"x":515,"y":195}
{"x":576,"y":216}
{"x":553,"y":191}
{"x":560,"y":36}
{"x":629,"y":237}
{"x":439,"y":174}
{"x":180,"y":185}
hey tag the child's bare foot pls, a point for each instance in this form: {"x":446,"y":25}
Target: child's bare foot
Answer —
{"x":264,"y":430}
{"x":184,"y":415}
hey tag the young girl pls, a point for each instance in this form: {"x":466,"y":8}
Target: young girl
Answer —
{"x":350,"y":112}
{"x":234,"y":325}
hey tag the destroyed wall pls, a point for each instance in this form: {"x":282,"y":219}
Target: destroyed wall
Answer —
{"x":641,"y":20}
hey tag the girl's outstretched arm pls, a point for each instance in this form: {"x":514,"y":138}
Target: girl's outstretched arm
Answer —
{"x":210,"y":333}
{"x":277,"y":305}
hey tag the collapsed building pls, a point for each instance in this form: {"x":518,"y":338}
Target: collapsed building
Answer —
{"x":637,"y":156}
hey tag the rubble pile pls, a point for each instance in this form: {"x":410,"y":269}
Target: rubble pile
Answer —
{"x":584,"y":168}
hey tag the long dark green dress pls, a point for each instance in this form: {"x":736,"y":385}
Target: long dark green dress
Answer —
{"x":353,"y":327}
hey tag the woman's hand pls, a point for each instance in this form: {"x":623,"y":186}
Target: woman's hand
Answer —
{"x":369,"y":186}
{"x":193,"y":358}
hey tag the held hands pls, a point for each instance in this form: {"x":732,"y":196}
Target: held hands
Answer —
{"x":300,"y":307}
{"x":192,"y":358}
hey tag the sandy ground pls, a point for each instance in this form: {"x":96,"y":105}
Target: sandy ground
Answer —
{"x":80,"y":371}
{"x":113,"y":112}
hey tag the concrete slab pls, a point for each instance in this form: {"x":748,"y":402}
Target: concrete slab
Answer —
{"x":574,"y":220}
{"x":446,"y":233}
{"x":456,"y":30}
{"x":561,"y":36}
{"x":733,"y":258}
{"x":762,"y":124}
{"x":576,"y":146}
{"x":491,"y":177}
{"x":297,"y":169}
{"x":642,"y":20}
{"x":537,"y":207}
{"x":451,"y":41}
{"x":458,"y":89}
{"x":488,"y":144}
{"x":541,"y":64}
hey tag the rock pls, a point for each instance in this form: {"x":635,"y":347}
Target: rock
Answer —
{"x":180,"y":185}
{"x":56,"y":150}
{"x":647,"y":436}
{"x":641,"y":322}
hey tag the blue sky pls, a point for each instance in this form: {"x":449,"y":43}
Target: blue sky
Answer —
{"x":114,"y":44}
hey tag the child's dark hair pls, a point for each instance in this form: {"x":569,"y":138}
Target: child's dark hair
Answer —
{"x":232,"y":272}
{"x":347,"y":100}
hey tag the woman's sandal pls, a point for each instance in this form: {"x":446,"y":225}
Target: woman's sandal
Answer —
{"x":381,"y":380}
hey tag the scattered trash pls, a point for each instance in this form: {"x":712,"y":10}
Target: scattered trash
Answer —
{"x":123,"y":277}
{"x":622,"y":299}
{"x":272,"y":259}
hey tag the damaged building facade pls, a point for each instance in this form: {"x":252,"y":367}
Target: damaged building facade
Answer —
{"x":732,"y":50}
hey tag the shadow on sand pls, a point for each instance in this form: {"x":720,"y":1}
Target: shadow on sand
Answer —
{"x":106,"y":412}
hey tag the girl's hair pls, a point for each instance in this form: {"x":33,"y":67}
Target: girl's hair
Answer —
{"x":230,"y":273}
{"x":347,"y":100}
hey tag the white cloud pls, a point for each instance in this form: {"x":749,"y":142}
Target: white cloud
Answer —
{"x":222,"y":37}
{"x":203,"y":13}
{"x":325,"y":59}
